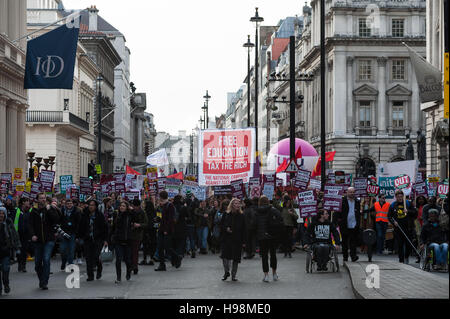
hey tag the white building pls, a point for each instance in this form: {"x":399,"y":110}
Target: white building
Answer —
{"x":13,"y":98}
{"x":178,"y":149}
{"x":437,"y":131}
{"x":60,"y":122}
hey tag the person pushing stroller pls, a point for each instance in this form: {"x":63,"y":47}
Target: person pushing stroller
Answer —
{"x":318,"y":235}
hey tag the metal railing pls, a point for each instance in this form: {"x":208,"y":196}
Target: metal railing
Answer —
{"x":45,"y":116}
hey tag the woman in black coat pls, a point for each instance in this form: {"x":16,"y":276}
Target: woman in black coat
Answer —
{"x":232,"y":231}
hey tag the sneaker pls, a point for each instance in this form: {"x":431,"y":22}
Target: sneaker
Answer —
{"x":355,"y":259}
{"x":275,"y":277}
{"x":63,"y":267}
{"x":7,"y":289}
{"x":79,"y":261}
{"x":44,"y":287}
{"x":117,"y":281}
{"x":266,"y":278}
{"x":162,"y":267}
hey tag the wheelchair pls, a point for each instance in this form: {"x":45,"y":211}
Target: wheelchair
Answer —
{"x":332,"y":259}
{"x":427,"y":259}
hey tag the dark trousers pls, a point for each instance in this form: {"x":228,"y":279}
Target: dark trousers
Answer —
{"x":321,"y":253}
{"x":403,"y":246}
{"x":149,"y":244}
{"x":288,"y":237}
{"x":381,"y":235}
{"x":4,"y":268}
{"x":92,"y":251}
{"x":265,"y":247}
{"x":22,"y":257}
{"x":349,"y":239}
{"x":135,"y":244}
{"x":179,"y":244}
{"x":123,"y":253}
{"x":250,"y":242}
{"x":165,"y":247}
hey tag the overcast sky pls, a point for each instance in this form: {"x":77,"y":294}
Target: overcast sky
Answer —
{"x":180,"y":49}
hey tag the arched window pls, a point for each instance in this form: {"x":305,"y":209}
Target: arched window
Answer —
{"x":365,"y":167}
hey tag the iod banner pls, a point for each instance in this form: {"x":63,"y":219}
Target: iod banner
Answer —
{"x":226,"y":155}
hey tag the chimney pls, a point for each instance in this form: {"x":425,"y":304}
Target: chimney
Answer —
{"x":93,"y":18}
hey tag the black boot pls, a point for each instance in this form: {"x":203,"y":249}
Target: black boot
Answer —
{"x":193,"y":254}
{"x":225,"y":276}
{"x":128,"y":276}
{"x":161,"y":267}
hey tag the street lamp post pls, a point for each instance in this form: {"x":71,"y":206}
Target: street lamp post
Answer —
{"x":99,"y":108}
{"x":205,"y":110}
{"x":248,"y":45}
{"x":257,"y":19}
{"x":207,"y":97}
{"x":322,"y":93}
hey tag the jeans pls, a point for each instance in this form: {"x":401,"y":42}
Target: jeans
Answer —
{"x":42,"y":255}
{"x":381,"y":235}
{"x":123,"y":253}
{"x":440,"y":251}
{"x":67,"y":249}
{"x":190,"y":239}
{"x":265,"y":247}
{"x":4,"y":270}
{"x":226,"y":266}
{"x":202,"y":233}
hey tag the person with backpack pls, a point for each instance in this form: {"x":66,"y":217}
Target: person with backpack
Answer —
{"x":232,"y":230}
{"x":9,"y":240}
{"x":268,"y":240}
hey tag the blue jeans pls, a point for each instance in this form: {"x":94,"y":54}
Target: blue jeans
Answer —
{"x":42,"y":255}
{"x":4,"y":271}
{"x":381,"y":235}
{"x":440,"y":251}
{"x":202,"y":234}
{"x":190,"y":239}
{"x":67,"y":250}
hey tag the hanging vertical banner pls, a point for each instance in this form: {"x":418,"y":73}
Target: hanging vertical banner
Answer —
{"x":226,"y":155}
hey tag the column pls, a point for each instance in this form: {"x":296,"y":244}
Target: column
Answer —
{"x":21,"y":146}
{"x":11,"y":137}
{"x":2,"y":134}
{"x":4,"y":16}
{"x":349,"y":111}
{"x":140,"y":137}
{"x":382,"y":109}
{"x":13,"y":20}
{"x":23,"y":23}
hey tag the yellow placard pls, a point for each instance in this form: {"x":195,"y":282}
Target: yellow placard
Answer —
{"x":20,"y":187}
{"x":28,"y":186}
{"x":18,"y":173}
{"x":446,"y":84}
{"x":36,"y":172}
{"x":152,"y":170}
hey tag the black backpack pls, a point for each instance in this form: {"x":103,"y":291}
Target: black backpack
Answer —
{"x":275,"y":224}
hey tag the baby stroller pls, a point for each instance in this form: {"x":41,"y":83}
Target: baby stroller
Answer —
{"x":322,"y":253}
{"x":428,"y":260}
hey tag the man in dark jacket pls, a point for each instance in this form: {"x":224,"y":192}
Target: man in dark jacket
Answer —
{"x":9,"y":241}
{"x":149,"y":237}
{"x":179,"y":236}
{"x":93,"y":231}
{"x":137,"y":234}
{"x":42,"y":224}
{"x":22,"y":228}
{"x":250,"y":234}
{"x":319,"y":232}
{"x":166,"y":232}
{"x":403,"y":220}
{"x":435,"y":238}
{"x":70,"y":220}
{"x":349,"y":220}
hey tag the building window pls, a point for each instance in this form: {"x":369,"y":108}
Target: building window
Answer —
{"x":364,"y":114}
{"x":397,"y":115}
{"x":364,"y":29}
{"x":398,"y":28}
{"x":365,"y":70}
{"x":398,"y":69}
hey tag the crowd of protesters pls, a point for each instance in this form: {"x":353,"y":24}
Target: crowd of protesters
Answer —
{"x":172,"y":229}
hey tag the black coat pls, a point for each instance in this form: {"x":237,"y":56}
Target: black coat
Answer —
{"x":431,"y":234}
{"x":42,"y":223}
{"x":407,"y":222}
{"x":22,"y":228}
{"x":231,"y":243}
{"x":100,"y":227}
{"x":261,"y":221}
{"x":70,"y":223}
{"x":180,"y":224}
{"x":249,"y":216}
{"x":318,"y":232}
{"x":343,"y":214}
{"x":121,"y":231}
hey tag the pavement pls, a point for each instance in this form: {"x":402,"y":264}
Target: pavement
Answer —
{"x":198,"y":278}
{"x":396,"y":280}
